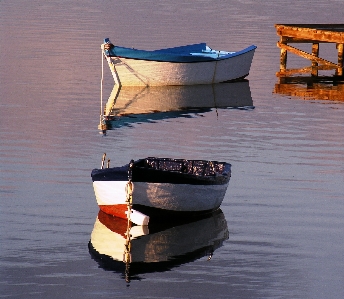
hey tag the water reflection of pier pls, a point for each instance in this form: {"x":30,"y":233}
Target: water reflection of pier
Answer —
{"x":311,"y":88}
{"x":127,"y":105}
{"x":133,"y":250}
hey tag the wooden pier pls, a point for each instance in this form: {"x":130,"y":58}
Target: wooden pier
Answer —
{"x":314,"y":34}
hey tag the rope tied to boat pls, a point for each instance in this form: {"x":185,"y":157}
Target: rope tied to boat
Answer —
{"x":129,"y":189}
{"x":108,"y":46}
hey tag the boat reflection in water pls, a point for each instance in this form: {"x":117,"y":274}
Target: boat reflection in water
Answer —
{"x":132,"y":250}
{"x":311,"y":87}
{"x":128,"y":105}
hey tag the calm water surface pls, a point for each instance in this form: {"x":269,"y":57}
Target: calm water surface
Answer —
{"x":281,"y":232}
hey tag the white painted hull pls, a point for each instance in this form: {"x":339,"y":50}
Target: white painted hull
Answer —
{"x":111,"y":198}
{"x":172,"y":197}
{"x":136,"y":72}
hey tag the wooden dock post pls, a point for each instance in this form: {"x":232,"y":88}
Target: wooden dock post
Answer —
{"x":340,"y":59}
{"x":315,"y":52}
{"x":314,"y":34}
{"x":283,"y":59}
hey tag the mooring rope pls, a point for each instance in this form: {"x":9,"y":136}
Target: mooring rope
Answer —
{"x":129,"y":189}
{"x":101,"y":85}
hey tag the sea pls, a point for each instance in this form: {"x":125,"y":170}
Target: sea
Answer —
{"x":280,"y":230}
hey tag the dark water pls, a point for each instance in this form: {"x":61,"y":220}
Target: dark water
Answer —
{"x":284,"y":207}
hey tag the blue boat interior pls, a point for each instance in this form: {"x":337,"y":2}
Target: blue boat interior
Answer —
{"x":189,"y":53}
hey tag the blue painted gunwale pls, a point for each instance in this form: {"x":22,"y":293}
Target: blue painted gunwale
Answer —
{"x":182,"y":54}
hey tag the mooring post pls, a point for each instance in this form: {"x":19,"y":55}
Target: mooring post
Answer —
{"x":340,"y":59}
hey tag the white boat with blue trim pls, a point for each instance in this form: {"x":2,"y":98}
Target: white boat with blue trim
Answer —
{"x":184,"y":65}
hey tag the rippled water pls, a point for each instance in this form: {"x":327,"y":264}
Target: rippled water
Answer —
{"x":284,"y":206}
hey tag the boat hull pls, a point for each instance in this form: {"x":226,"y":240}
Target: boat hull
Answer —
{"x":136,"y":72}
{"x":159,"y":200}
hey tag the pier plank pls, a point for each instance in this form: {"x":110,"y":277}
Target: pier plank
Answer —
{"x":330,"y":33}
